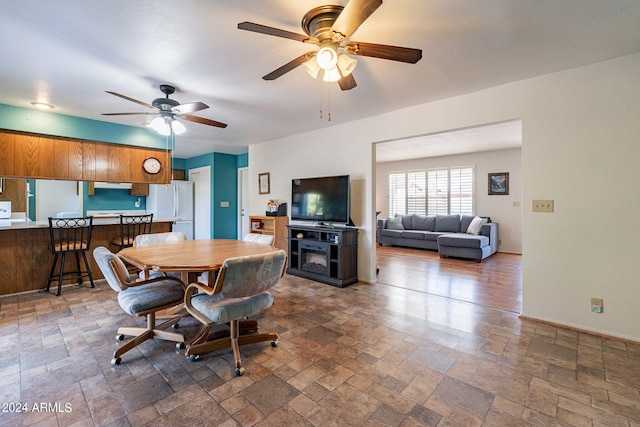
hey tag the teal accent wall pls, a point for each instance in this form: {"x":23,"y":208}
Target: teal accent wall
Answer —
{"x":110,"y":199}
{"x":243,"y":160}
{"x":224,"y":188}
{"x":225,"y":177}
{"x":49,"y":123}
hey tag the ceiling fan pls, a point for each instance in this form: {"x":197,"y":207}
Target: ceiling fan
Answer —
{"x":329,"y":27}
{"x":167,"y":110}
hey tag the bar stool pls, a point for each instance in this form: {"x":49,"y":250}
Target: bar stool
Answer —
{"x":130,"y":227}
{"x":69,"y":236}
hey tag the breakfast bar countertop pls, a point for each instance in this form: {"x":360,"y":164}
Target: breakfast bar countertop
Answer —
{"x":22,"y":223}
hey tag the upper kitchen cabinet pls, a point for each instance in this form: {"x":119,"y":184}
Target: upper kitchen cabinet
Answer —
{"x":27,"y":155}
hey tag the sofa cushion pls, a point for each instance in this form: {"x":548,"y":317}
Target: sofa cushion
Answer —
{"x":476,"y":225}
{"x":465,"y":220}
{"x":392,"y":233}
{"x":463,"y":240}
{"x":395,"y":223}
{"x":413,"y":234}
{"x":406,"y":221}
{"x":431,"y":235}
{"x":422,"y":222}
{"x":448,"y":223}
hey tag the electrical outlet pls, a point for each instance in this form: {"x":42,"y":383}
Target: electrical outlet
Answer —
{"x":597,"y":305}
{"x":542,"y":206}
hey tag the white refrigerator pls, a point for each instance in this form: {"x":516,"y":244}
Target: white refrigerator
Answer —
{"x":173,"y":200}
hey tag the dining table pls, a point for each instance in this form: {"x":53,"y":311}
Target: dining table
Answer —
{"x":190,"y":257}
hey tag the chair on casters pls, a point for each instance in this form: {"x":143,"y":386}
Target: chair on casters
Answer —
{"x":241,"y":290}
{"x":142,"y":298}
{"x":262,"y":239}
{"x":130,"y":227}
{"x":69,"y":236}
{"x":149,"y":239}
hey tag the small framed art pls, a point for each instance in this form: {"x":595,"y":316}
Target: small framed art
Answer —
{"x":264,"y":185}
{"x":499,"y":184}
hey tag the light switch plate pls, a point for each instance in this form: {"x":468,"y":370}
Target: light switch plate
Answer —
{"x":542,"y":206}
{"x":224,"y":204}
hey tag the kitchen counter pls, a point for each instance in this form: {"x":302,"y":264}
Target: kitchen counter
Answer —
{"x":17,"y":224}
{"x":25,"y":259}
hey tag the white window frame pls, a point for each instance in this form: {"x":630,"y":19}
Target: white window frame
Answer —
{"x":432,"y":191}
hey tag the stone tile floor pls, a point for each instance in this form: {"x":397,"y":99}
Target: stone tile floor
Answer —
{"x":365,"y":355}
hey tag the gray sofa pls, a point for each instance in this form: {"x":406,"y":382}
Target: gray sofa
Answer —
{"x":448,"y":234}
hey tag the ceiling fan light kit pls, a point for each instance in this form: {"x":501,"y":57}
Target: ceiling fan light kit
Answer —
{"x":329,"y":27}
{"x":167,"y":111}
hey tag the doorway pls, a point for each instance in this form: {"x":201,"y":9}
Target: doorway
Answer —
{"x":243,"y":202}
{"x":201,"y":177}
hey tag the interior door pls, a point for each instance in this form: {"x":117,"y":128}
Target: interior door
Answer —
{"x":201,"y":178}
{"x":243,"y":202}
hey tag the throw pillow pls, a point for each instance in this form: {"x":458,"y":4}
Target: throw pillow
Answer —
{"x":476,"y":225}
{"x":395,"y":223}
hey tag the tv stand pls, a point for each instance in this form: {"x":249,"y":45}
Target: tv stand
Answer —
{"x":323,"y":253}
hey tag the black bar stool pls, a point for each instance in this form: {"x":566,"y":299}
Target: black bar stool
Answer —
{"x":69,"y":236}
{"x":130,"y":227}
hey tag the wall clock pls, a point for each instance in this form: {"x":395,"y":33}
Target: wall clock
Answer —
{"x":152,"y":165}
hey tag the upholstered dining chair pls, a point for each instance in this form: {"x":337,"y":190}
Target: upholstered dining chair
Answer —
{"x":241,"y":290}
{"x":262,"y":239}
{"x":142,"y":299}
{"x":149,"y":239}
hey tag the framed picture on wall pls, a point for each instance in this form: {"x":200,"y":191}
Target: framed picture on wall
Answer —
{"x":263,"y":183}
{"x":499,"y":183}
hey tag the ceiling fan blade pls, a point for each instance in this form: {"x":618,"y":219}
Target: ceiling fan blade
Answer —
{"x":289,"y":66}
{"x":203,"y":121}
{"x":189,"y":107}
{"x":347,"y":82}
{"x":125,"y":114}
{"x":394,"y":53}
{"x":144,"y":104}
{"x":353,"y":15}
{"x":263,"y":29}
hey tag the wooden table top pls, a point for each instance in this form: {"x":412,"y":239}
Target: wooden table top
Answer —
{"x":190,"y":255}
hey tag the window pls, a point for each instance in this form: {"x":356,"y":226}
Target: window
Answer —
{"x":432,"y":192}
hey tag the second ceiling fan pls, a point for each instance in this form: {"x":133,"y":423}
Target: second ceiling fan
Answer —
{"x":329,"y":27}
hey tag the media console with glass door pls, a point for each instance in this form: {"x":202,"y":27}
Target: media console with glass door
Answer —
{"x":324,"y":254}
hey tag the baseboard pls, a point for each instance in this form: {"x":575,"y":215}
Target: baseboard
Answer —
{"x":584,"y":331}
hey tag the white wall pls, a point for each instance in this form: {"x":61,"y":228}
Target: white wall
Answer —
{"x":581,"y":147}
{"x":501,"y":209}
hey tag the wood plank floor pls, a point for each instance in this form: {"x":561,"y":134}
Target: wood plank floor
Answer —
{"x":495,"y":282}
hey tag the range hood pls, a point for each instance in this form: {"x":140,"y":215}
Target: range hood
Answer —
{"x":113,"y":185}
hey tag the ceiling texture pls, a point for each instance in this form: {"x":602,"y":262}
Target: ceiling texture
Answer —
{"x":69,"y":52}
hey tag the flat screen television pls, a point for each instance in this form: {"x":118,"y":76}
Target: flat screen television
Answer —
{"x":324,"y":200}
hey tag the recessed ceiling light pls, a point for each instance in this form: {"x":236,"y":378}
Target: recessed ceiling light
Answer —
{"x":42,"y":105}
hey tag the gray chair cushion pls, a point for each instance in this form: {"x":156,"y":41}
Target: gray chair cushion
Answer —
{"x":221,"y":310}
{"x":141,"y":298}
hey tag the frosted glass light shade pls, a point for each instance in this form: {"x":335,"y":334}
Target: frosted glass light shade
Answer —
{"x":327,"y":57}
{"x":311,"y":67}
{"x":178,"y":128}
{"x":332,"y":75}
{"x":346,"y":64}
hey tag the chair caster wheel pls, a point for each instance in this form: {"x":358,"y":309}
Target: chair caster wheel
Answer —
{"x":274,"y":343}
{"x":120,"y":337}
{"x":176,"y":326}
{"x":194,"y":357}
{"x":238,"y":372}
{"x":116,"y":361}
{"x":181,"y":346}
